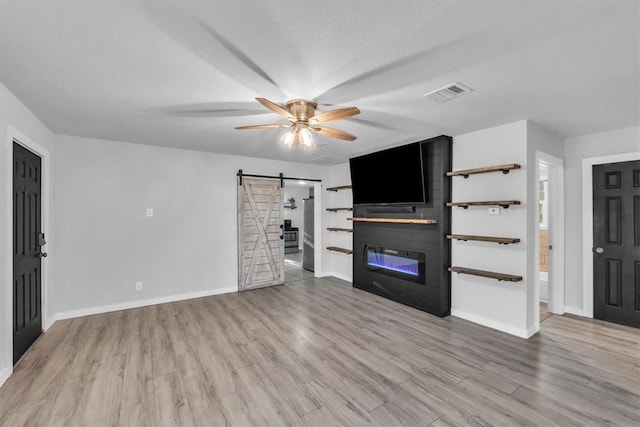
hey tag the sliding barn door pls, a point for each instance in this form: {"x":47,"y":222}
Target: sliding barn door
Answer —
{"x":260,"y":234}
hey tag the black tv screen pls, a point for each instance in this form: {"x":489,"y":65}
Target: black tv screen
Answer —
{"x":389,"y":176}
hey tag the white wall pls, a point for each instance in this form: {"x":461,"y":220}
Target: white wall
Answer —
{"x":500,"y":305}
{"x":298,"y":192}
{"x":104,"y":241}
{"x":576,"y":149}
{"x":337,"y":264}
{"x":15,"y":116}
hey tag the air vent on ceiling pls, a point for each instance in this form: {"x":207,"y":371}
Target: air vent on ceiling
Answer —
{"x":448,"y":92}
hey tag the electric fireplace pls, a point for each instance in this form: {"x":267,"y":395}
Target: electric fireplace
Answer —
{"x":399,"y":260}
{"x":408,"y":265}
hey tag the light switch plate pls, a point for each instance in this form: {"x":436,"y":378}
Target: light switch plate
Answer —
{"x":138,"y":286}
{"x":494,"y":211}
{"x":149,"y":212}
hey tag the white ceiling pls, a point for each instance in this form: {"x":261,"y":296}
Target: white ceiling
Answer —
{"x":183,"y":74}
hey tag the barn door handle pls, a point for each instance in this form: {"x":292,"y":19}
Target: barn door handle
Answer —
{"x":42,"y":255}
{"x":599,"y":250}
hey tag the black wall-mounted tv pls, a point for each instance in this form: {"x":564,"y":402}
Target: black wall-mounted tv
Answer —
{"x":392,"y":176}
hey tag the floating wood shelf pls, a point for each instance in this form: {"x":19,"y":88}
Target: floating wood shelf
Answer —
{"x":346,"y":230}
{"x":490,"y":274}
{"x":340,"y":187}
{"x":339,"y":209}
{"x":499,"y":240}
{"x":499,"y":168}
{"x":502,"y":203}
{"x":337,"y":249}
{"x":396,"y":220}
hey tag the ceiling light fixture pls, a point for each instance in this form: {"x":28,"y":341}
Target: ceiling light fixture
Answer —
{"x":300,"y":135}
{"x":303,"y":119}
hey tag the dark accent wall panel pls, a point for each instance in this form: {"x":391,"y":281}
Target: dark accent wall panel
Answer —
{"x":434,"y":295}
{"x":613,"y":282}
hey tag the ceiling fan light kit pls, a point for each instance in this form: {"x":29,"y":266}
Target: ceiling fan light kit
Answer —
{"x":302,"y":115}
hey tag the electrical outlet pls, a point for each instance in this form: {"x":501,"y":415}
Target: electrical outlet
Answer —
{"x":149,"y":212}
{"x":494,"y":211}
{"x":138,"y":286}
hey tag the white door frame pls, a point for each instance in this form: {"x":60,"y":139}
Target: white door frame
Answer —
{"x":6,"y":247}
{"x":317,"y":229}
{"x":587,"y":222}
{"x":556,"y":235}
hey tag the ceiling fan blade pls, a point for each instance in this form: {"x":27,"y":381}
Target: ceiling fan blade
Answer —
{"x":262,"y":126}
{"x":334,"y":115}
{"x":333,"y":133}
{"x":276,"y":108}
{"x":214,"y":109}
{"x":176,"y":20}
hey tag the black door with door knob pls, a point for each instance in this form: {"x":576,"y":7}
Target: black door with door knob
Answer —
{"x":27,"y":243}
{"x":616,"y":245}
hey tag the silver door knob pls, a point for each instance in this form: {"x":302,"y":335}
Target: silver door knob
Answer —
{"x":42,"y":255}
{"x":599,"y":250}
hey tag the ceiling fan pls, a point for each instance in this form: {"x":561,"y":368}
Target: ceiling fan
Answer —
{"x":302,"y":115}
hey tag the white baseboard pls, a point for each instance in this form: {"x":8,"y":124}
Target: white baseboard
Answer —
{"x":141,"y":303}
{"x":576,"y":311}
{"x":533,"y":330}
{"x":49,"y":322}
{"x":518,"y":332}
{"x":5,"y":374}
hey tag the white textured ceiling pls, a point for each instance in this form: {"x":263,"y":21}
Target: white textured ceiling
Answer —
{"x":183,"y":74}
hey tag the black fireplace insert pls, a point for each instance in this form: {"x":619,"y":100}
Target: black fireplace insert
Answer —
{"x":408,"y":265}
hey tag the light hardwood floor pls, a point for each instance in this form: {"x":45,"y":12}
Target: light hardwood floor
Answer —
{"x":317,"y":352}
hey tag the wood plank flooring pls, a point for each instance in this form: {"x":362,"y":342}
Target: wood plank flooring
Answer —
{"x":316,"y":352}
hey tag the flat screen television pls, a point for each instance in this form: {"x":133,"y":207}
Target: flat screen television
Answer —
{"x":392,"y":176}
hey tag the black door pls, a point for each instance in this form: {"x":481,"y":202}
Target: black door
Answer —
{"x":616,"y":235}
{"x":27,"y":241}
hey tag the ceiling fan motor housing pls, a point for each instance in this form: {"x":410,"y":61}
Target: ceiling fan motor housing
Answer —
{"x":302,"y":109}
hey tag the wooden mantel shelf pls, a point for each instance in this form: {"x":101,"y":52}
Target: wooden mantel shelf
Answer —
{"x":339,"y":209}
{"x":490,"y":274}
{"x":338,"y":188}
{"x":502,"y":203}
{"x":499,"y":168}
{"x":346,"y":230}
{"x":396,"y":220}
{"x":337,"y":249}
{"x":499,"y":240}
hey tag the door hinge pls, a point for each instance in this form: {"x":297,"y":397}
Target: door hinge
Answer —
{"x":550,"y":247}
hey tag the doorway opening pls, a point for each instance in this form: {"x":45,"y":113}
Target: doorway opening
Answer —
{"x":263,"y":233}
{"x":543,"y":230}
{"x":549,"y":245}
{"x":299,"y":230}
